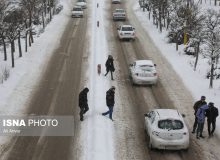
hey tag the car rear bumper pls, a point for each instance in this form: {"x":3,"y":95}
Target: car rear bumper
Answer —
{"x":170,"y":144}
{"x":143,"y":80}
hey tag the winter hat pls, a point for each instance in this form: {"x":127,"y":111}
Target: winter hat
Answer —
{"x":211,"y":104}
{"x":113,"y":87}
{"x":86,"y":89}
{"x":203,"y":97}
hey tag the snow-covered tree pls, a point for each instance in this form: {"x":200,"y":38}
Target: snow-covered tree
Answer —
{"x":195,"y":30}
{"x":3,"y":6}
{"x":212,"y":41}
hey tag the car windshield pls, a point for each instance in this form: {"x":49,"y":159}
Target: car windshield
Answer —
{"x":148,"y":68}
{"x":170,"y":124}
{"x":81,"y":0}
{"x":77,"y":9}
{"x":127,"y":29}
{"x":119,"y":10}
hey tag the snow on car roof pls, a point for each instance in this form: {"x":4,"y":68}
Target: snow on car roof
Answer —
{"x":144,"y":62}
{"x":126,"y":25}
{"x":168,"y":113}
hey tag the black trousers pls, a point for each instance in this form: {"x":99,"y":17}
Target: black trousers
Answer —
{"x":195,"y":125}
{"x":83,"y":110}
{"x":211,"y":126}
{"x":111,"y":73}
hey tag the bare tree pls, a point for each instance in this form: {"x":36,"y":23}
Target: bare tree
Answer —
{"x":30,"y":7}
{"x":3,"y":6}
{"x":212,"y":41}
{"x":13,"y":21}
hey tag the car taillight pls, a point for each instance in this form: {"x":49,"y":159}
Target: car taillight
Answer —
{"x":155,"y":133}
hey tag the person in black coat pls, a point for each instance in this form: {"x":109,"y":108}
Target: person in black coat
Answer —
{"x":196,"y":107}
{"x":83,"y":102}
{"x":211,"y":114}
{"x":109,"y":64}
{"x":110,"y":101}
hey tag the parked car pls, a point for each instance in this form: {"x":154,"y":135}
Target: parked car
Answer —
{"x":77,"y":12}
{"x":119,"y":14}
{"x":116,"y":1}
{"x":81,"y":3}
{"x":126,"y":32}
{"x":143,"y":72}
{"x":165,"y":129}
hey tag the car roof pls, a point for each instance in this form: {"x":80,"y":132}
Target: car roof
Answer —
{"x":144,"y":62}
{"x":119,"y":9}
{"x":126,"y":25}
{"x":77,"y":7}
{"x":168,"y":114}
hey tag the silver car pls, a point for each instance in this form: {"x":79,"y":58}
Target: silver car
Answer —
{"x":77,"y":12}
{"x":143,"y":72}
{"x":119,"y":14}
{"x":166,"y":129}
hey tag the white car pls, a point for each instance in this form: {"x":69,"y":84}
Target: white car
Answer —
{"x":143,"y":72}
{"x":166,"y":129}
{"x":126,"y":32}
{"x":77,"y":12}
{"x":119,"y":14}
{"x":81,"y":3}
{"x":116,"y":1}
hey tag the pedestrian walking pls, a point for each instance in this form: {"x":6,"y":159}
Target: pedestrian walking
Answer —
{"x":196,"y":107}
{"x":110,"y":101}
{"x":211,"y":114}
{"x":109,"y":64}
{"x":83,"y":102}
{"x":200,"y":114}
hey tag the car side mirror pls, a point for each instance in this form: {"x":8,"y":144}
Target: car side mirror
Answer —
{"x":133,"y":28}
{"x":118,"y":28}
{"x":155,"y":65}
{"x":131,"y":65}
{"x":183,"y":115}
{"x":147,"y":115}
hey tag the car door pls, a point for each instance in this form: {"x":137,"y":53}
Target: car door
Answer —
{"x":149,"y":122}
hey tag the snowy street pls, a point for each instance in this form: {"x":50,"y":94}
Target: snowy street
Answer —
{"x":71,"y":64}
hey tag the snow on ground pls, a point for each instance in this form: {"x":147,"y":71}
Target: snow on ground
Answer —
{"x":97,"y":138}
{"x":97,"y":130}
{"x":28,"y":69}
{"x":195,"y":81}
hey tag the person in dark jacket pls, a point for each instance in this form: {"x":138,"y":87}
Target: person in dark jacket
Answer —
{"x":110,"y":101}
{"x":211,"y":114}
{"x":109,"y":64}
{"x":83,"y":102}
{"x":200,"y":115}
{"x":196,"y":107}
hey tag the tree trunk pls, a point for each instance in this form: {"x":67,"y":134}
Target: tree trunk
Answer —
{"x":26,"y":35}
{"x":176,"y":41}
{"x":19,"y":44}
{"x":12,"y":56}
{"x":211,"y":73}
{"x":197,"y":55}
{"x":5,"y":51}
{"x":43,"y":20}
{"x":160,"y":19}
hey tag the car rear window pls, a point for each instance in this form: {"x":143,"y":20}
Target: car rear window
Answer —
{"x":148,"y":68}
{"x":127,"y":29}
{"x":120,"y":11}
{"x":77,"y":9}
{"x":170,"y":124}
